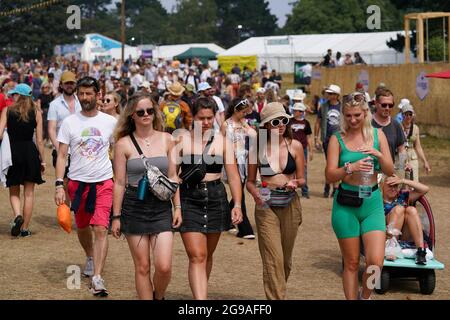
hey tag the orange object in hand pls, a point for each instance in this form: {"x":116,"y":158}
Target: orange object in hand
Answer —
{"x":64,"y":217}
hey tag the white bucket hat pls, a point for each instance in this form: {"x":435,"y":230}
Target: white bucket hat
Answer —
{"x":333,"y":89}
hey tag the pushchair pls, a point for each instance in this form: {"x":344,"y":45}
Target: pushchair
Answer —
{"x":407,"y":268}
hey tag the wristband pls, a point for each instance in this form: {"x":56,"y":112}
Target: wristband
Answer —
{"x":347,"y":168}
{"x":59,"y":183}
{"x":115,"y":216}
{"x":177,"y":206}
{"x":237,"y":206}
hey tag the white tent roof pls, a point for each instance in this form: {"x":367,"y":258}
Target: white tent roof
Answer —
{"x":168,"y":52}
{"x":97,"y":45}
{"x":312,"y":47}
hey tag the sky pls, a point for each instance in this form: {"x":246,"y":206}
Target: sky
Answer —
{"x":278,"y":7}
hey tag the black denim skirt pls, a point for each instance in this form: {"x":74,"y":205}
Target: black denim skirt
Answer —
{"x":205,"y":208}
{"x":148,"y":216}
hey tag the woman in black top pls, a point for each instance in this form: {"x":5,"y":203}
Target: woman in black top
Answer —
{"x":23,"y":119}
{"x":43,"y":101}
{"x":204,"y":204}
{"x":280,"y":162}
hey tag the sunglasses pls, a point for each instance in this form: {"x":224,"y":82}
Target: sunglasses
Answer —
{"x":107,"y":100}
{"x":408,"y":114}
{"x":387,"y":105}
{"x":355,"y":96}
{"x":241,"y":105}
{"x":278,"y":122}
{"x":141,"y":113}
{"x":87,"y":82}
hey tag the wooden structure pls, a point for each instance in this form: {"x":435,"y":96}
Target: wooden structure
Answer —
{"x":420,"y":17}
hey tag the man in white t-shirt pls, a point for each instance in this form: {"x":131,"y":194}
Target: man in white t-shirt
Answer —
{"x":88,"y":133}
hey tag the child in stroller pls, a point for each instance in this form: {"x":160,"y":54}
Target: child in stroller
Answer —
{"x":399,"y":196}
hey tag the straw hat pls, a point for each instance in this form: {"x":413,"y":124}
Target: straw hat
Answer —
{"x":272,"y":111}
{"x":176,"y":89}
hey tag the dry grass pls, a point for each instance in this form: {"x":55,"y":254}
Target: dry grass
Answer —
{"x":35,"y":267}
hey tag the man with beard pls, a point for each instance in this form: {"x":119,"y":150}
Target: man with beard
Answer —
{"x":88,"y":133}
{"x":61,"y":107}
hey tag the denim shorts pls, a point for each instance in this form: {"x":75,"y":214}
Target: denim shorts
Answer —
{"x":205,"y":208}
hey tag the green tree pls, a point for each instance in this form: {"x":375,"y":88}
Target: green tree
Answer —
{"x":329,"y":16}
{"x":194,"y":21}
{"x":148,"y":21}
{"x":36,"y":32}
{"x":253,"y":15}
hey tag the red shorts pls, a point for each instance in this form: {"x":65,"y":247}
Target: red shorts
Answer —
{"x":103,"y":204}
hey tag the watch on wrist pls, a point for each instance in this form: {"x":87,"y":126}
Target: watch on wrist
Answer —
{"x":59,"y":183}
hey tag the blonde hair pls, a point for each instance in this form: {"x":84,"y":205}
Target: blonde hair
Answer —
{"x":22,"y":107}
{"x":126,"y":125}
{"x":367,"y":129}
{"x":117,"y":99}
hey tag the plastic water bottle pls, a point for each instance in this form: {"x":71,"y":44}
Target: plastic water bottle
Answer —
{"x":365,"y":188}
{"x":264,"y":193}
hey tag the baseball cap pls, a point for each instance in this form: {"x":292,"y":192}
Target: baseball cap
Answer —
{"x":21,"y":89}
{"x":68,"y":76}
{"x":203,"y":86}
{"x":299,"y":106}
{"x":408,"y":108}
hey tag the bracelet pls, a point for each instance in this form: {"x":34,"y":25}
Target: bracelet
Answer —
{"x":347,"y":168}
{"x":59,"y":187}
{"x":59,"y":183}
{"x":115,"y":216}
{"x":237,"y":206}
{"x":177,"y":206}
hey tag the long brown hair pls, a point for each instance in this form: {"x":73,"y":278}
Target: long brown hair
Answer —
{"x":22,"y":107}
{"x":126,"y":125}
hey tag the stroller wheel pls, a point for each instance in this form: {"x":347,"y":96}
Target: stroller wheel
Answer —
{"x":385,"y":278}
{"x":427,"y":282}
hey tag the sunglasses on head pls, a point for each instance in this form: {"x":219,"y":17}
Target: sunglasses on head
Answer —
{"x":278,"y":122}
{"x":355,"y":96}
{"x":141,"y":113}
{"x":241,"y":105}
{"x":88,"y":82}
{"x":387,"y":105}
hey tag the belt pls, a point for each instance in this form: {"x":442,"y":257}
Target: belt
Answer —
{"x":201,"y":185}
{"x":375,"y":187}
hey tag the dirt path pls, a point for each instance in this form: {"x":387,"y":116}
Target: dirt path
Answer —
{"x":35,"y":267}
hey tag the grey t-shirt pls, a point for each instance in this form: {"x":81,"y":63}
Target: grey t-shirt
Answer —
{"x":394,"y":135}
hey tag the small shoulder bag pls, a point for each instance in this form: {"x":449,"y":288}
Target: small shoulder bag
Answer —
{"x":160,"y":185}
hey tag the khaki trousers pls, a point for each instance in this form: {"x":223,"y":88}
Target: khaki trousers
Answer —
{"x":277,"y":229}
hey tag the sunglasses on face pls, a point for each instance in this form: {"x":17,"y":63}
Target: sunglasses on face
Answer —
{"x":107,"y":100}
{"x":278,"y":122}
{"x":141,"y":113}
{"x":408,"y":114}
{"x":387,"y":105}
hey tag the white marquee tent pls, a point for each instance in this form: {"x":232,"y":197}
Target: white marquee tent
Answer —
{"x":168,"y":52}
{"x":281,"y":52}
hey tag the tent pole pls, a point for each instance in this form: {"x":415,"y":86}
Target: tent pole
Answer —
{"x":443,"y":38}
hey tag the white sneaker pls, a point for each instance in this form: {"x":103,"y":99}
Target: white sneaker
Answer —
{"x":249,"y":236}
{"x":98,"y":287}
{"x":89,"y":267}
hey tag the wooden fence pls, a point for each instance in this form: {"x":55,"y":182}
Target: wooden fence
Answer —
{"x":433,"y":112}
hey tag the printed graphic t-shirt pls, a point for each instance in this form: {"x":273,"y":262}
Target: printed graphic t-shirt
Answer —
{"x":89,"y":139}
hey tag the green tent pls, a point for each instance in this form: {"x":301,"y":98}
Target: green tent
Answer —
{"x":204,"y":54}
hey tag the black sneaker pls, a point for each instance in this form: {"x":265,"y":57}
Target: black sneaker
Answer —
{"x":421,"y":256}
{"x":25,"y":233}
{"x":16,"y":225}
